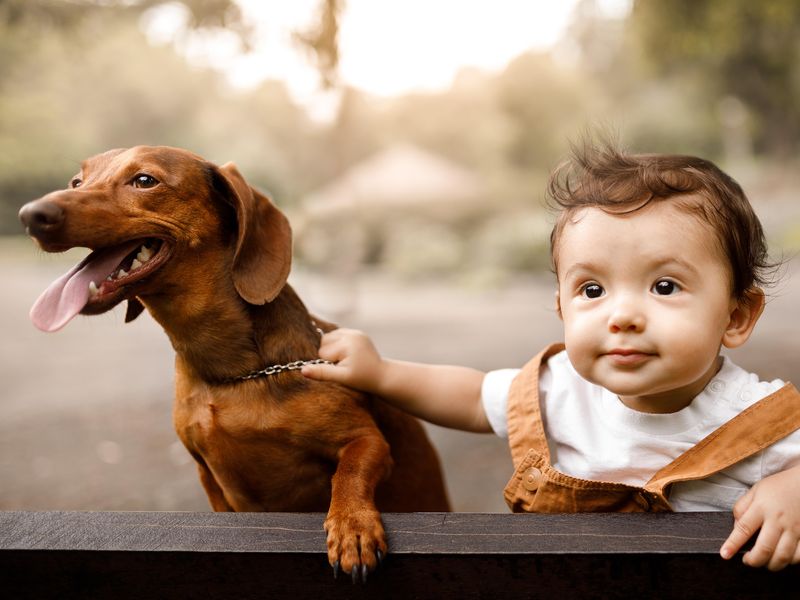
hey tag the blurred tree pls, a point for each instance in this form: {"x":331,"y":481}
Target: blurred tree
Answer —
{"x":545,"y":103}
{"x":668,"y":111}
{"x":747,"y":50}
{"x":69,"y":13}
{"x":323,"y":40}
{"x":72,"y":85}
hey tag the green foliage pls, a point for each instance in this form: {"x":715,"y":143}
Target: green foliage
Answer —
{"x":733,"y":47}
{"x":545,"y":103}
{"x":95,"y":83}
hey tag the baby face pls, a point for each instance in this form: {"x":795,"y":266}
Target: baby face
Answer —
{"x":646,"y":303}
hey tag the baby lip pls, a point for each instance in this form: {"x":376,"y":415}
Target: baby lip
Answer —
{"x":628,"y":356}
{"x":627,"y":351}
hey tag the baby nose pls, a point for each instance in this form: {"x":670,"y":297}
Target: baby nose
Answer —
{"x":626,"y":317}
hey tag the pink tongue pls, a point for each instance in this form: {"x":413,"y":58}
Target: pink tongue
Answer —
{"x":68,"y":294}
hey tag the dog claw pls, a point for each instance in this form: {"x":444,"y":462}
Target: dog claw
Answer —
{"x":336,"y":570}
{"x":359,"y":574}
{"x":379,"y":556}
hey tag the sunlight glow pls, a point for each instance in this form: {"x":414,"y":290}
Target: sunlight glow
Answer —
{"x":387,"y":48}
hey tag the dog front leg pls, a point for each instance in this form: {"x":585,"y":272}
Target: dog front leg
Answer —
{"x":213,"y":490}
{"x":356,"y":540}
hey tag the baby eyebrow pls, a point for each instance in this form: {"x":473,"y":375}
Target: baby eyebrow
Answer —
{"x":672,"y":261}
{"x":585,"y":267}
{"x":581,"y":268}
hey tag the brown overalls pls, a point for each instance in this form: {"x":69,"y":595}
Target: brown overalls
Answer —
{"x":537,"y":487}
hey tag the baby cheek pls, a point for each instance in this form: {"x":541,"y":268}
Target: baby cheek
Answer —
{"x":691,"y":341}
{"x":582,"y":347}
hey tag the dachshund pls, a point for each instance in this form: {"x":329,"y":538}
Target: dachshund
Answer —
{"x":208,"y":256}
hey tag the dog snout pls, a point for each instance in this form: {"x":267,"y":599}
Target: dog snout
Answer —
{"x":41,"y":216}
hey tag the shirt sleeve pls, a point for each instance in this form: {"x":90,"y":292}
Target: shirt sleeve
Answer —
{"x":782,"y":455}
{"x":494,"y":397}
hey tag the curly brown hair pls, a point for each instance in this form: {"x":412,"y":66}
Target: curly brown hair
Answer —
{"x":605,"y":177}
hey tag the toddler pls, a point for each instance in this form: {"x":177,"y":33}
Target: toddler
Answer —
{"x":659,"y":262}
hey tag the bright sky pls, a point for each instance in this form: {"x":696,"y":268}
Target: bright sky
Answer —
{"x":387,"y":47}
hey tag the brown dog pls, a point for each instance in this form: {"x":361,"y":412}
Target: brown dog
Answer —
{"x":208,"y":256}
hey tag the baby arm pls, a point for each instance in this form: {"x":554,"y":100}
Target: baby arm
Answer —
{"x":773,"y":505}
{"x":445,"y":395}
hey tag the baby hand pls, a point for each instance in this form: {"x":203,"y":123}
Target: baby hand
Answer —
{"x":357,"y":362}
{"x":773,"y":504}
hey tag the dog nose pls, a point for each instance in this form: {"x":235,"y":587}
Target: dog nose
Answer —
{"x":41,"y":216}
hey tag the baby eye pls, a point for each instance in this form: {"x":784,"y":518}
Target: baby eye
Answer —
{"x":592,"y":291}
{"x":665,"y":287}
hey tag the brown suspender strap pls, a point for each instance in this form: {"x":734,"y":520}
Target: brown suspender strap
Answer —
{"x":767,"y":421}
{"x":525,"y":427}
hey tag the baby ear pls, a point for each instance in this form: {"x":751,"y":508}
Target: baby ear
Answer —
{"x":743,"y":317}
{"x":558,"y":305}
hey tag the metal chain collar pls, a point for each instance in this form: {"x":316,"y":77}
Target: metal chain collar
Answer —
{"x":275,"y":369}
{"x":292,"y":366}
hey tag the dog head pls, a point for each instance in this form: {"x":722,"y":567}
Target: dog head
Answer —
{"x":143,"y":212}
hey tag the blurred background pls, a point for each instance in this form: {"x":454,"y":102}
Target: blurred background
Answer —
{"x":409,"y":143}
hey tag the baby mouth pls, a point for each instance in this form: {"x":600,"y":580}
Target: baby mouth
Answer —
{"x":628,"y":357}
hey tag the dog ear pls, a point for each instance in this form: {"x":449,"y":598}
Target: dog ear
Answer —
{"x":134,"y":309}
{"x":263,"y":255}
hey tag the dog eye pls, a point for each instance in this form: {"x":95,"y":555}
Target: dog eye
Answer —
{"x":144,"y":181}
{"x":76,"y":182}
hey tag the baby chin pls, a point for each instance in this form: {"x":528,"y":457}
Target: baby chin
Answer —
{"x":634,"y":377}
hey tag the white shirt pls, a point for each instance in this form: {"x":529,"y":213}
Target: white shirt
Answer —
{"x":593,"y":435}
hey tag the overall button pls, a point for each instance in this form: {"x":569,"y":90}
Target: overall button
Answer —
{"x":532,"y":479}
{"x":717,"y":386}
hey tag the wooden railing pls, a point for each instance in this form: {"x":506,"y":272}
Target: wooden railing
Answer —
{"x":147,"y":555}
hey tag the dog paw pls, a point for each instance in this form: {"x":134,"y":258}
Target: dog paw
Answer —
{"x":356,"y":543}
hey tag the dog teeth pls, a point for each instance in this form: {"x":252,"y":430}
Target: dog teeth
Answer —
{"x":93,"y":291}
{"x":142,"y":257}
{"x":144,"y":254}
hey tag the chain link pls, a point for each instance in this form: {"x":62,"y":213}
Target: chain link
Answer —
{"x":275,"y":369}
{"x":292,"y":366}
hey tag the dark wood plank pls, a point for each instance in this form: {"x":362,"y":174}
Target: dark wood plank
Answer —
{"x":420,"y":533}
{"x":432,"y":555}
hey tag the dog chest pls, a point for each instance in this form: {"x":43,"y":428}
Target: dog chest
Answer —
{"x":255,"y":457}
